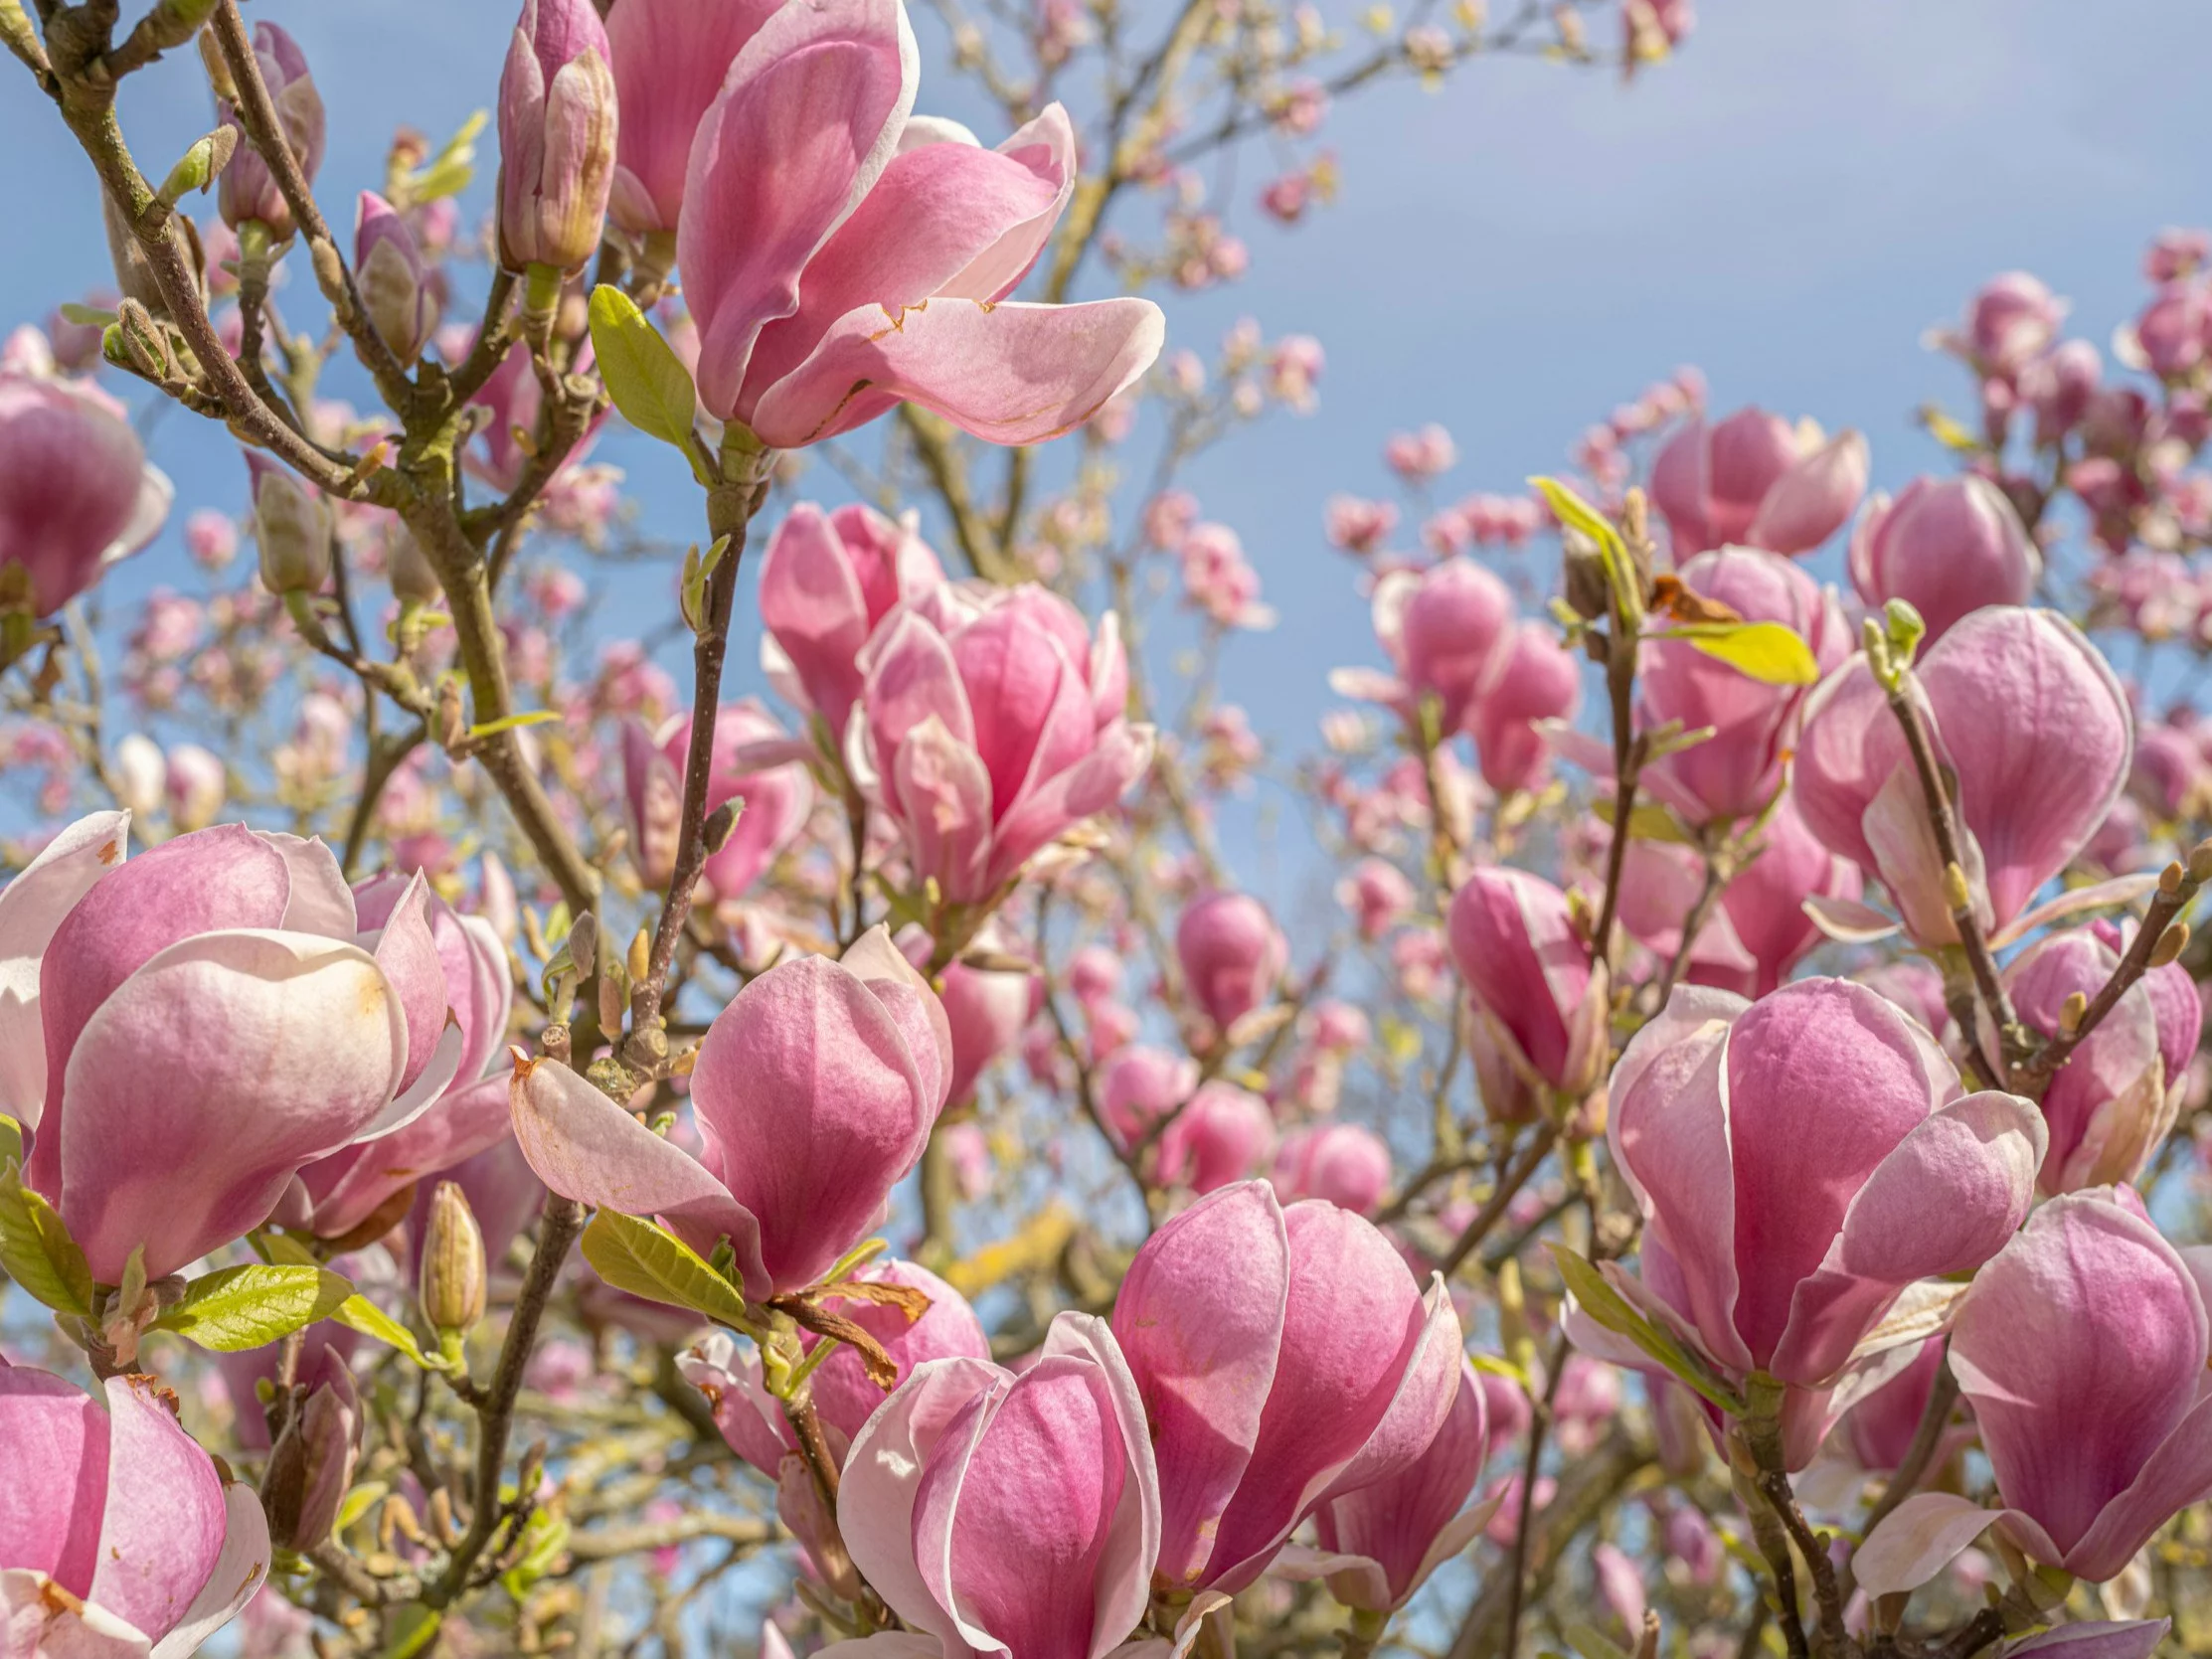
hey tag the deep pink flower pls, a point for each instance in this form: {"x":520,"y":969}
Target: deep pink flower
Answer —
{"x":1947,"y":546}
{"x":1346,"y":1164}
{"x":76,"y":490}
{"x":814,"y":1094}
{"x":1532,"y":978}
{"x":756,"y":763}
{"x":1232,"y":956}
{"x":557,"y":135}
{"x":1757,"y":480}
{"x":826,"y":581}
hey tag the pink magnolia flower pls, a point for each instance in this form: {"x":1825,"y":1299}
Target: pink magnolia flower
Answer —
{"x":2111,"y":1104}
{"x":753,"y":1421}
{"x":756,"y":764}
{"x":76,"y":492}
{"x":2011,"y":318}
{"x":1531,"y":679}
{"x":1762,"y":1266}
{"x":1232,"y":956}
{"x":1736,"y":770}
{"x":234,"y":962}
{"x":1443,"y":629}
{"x":1535,"y":985}
{"x":814,"y":1094}
{"x":669,"y":59}
{"x":119,"y":1536}
{"x":1140,"y":1086}
{"x":558,"y":126}
{"x":1380,"y":1544}
{"x":826,"y":581}
{"x":1284,"y":1357}
{"x":839,"y":258}
{"x":2059,"y":386}
{"x":248,"y":190}
{"x":1222,"y":1135}
{"x":993,"y":725}
{"x":997,"y":1512}
{"x":2088,"y":1282}
{"x":1756,"y":479}
{"x":1379,"y":895}
{"x":345,"y":1189}
{"x":986,"y":1008}
{"x":2030,"y":721}
{"x":1346,"y":1164}
{"x":1947,"y":546}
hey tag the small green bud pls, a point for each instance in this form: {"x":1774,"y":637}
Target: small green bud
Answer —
{"x":450,"y":1285}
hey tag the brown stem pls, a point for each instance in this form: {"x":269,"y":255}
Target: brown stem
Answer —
{"x":1502,"y":1199}
{"x":1985,"y":1627}
{"x":1716,"y":882}
{"x":1628,"y":748}
{"x":495,"y":1412}
{"x":1943,"y":821}
{"x":1826,"y":1593}
{"x":256,"y":111}
{"x":2177,"y":887}
{"x":609,"y":1541}
{"x":730,"y":505}
{"x":1539,"y":1426}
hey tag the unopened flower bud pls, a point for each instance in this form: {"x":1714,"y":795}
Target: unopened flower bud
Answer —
{"x":292,"y":528}
{"x":248,"y":191}
{"x":2200,"y":861}
{"x":393,"y":291}
{"x":409,"y":569}
{"x":144,"y":345}
{"x":312,"y":1465}
{"x":450,"y":1281}
{"x":1588,"y":589}
{"x":557,"y":129}
{"x":583,"y":944}
{"x":2171,"y":878}
{"x":2171,"y":943}
{"x":2072,"y":1013}
{"x":722,"y":823}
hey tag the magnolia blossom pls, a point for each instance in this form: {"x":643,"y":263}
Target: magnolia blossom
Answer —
{"x":2111,"y":1103}
{"x":826,"y":581}
{"x":1225,"y":1134}
{"x":247,"y":189}
{"x":1284,"y":1356}
{"x":1539,"y":993}
{"x":1947,"y":547}
{"x":1015,"y":1513}
{"x":350,"y":1187}
{"x":838,"y":256}
{"x":1443,"y":629}
{"x":76,"y":492}
{"x":1531,"y":680}
{"x":1756,"y":479}
{"x":814,"y":1094}
{"x":2088,"y":1281}
{"x":986,"y":1009}
{"x":1780,"y":1232}
{"x":754,"y":765}
{"x":558,"y":125}
{"x":117,"y":1535}
{"x":234,"y":961}
{"x":993,"y":725}
{"x":1736,"y":770}
{"x":2027,"y":717}
{"x":1347,"y":1164}
{"x":1232,"y":956}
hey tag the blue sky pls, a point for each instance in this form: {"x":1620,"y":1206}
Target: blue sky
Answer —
{"x":1789,"y":204}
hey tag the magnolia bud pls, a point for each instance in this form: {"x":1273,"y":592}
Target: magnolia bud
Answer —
{"x":312,"y":1465}
{"x":451,"y":1282}
{"x":291,"y":527}
{"x":409,"y":569}
{"x":557,"y":127}
{"x":248,"y":191}
{"x":583,"y":943}
{"x":393,"y":291}
{"x":722,"y":823}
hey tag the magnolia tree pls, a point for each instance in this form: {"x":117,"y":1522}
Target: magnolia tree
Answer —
{"x":506,"y":1150}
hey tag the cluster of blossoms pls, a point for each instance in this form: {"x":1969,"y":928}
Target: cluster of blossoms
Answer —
{"x":532,"y":1146}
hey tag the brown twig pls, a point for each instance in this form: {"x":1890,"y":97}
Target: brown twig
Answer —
{"x":1501,"y":1197}
{"x":2177,"y":889}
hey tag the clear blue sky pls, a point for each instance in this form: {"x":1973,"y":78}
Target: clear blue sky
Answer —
{"x":1789,"y":204}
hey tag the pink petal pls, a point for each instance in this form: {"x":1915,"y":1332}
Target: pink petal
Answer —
{"x":238,"y":1572}
{"x":669,"y":57}
{"x":1010,"y":373}
{"x":51,"y":1505}
{"x":163,"y":1529}
{"x":274,"y":1048}
{"x":906,"y":996}
{"x":942,"y":799}
{"x":1122,"y":756}
{"x":32,"y":907}
{"x":1394,"y":1523}
{"x":950,"y":1329}
{"x":586,"y":1147}
{"x":1204,"y":1345}
{"x":812,"y":603}
{"x":1918,"y":1540}
{"x":804,"y":124}
{"x":348,"y":1186}
{"x":407,"y":957}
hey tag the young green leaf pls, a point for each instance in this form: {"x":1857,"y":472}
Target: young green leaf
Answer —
{"x":234,"y":1308}
{"x":542,"y":1539}
{"x":358,"y":1313}
{"x":646,"y":379}
{"x":1610,"y":1309}
{"x":1772,"y":653}
{"x":509,"y":723}
{"x":636,"y":1255}
{"x":37,"y":1251}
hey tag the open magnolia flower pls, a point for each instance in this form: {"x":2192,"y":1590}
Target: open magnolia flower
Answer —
{"x":118,"y":1538}
{"x":815,"y":1093}
{"x":234,"y":961}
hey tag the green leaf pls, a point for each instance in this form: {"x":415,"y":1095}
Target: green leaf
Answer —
{"x":87,"y":316}
{"x":234,"y":1308}
{"x":646,"y":379}
{"x":636,"y":1255}
{"x":1772,"y":653}
{"x":544,"y":1538}
{"x":358,"y":1313}
{"x":508,"y":722}
{"x":1577,"y":514}
{"x":358,"y":1503}
{"x":1648,"y":821}
{"x":37,"y":1251}
{"x":1588,"y":1641}
{"x":1610,"y":1309}
{"x":448,"y":172}
{"x":10,"y":1141}
{"x":411,"y":1631}
{"x":1948,"y":432}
